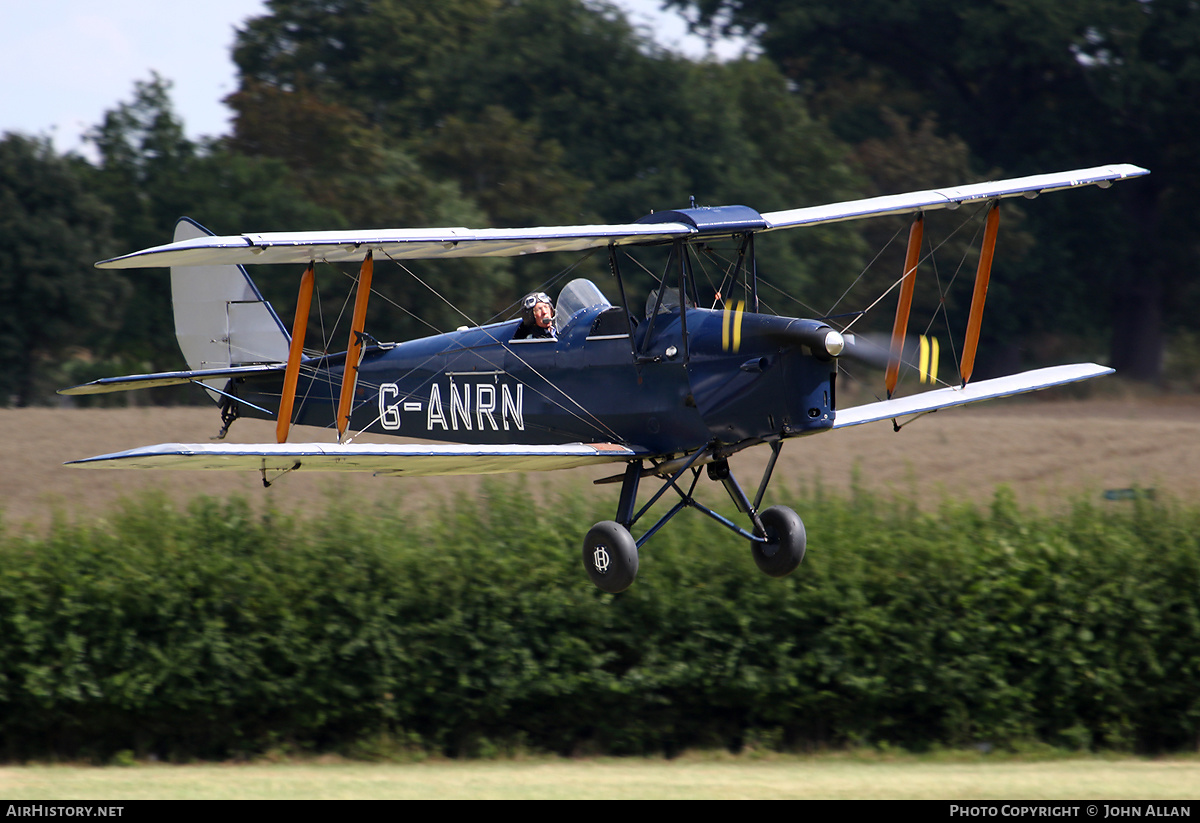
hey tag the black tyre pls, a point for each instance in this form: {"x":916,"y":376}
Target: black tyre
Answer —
{"x":610,"y":556}
{"x":784,"y":551}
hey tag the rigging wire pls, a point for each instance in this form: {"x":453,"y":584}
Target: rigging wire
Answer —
{"x":318,"y":373}
{"x":943,"y":292}
{"x":863,"y":274}
{"x":601,"y":425}
{"x":546,"y":286}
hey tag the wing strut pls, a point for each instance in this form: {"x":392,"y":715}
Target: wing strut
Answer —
{"x":752,"y":271}
{"x":980,"y":295}
{"x":907,"y":285}
{"x":292,"y":374}
{"x":354,"y":349}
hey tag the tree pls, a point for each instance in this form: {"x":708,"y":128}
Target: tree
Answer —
{"x":52,"y":228}
{"x":538,"y":112}
{"x":343,"y":163}
{"x":377,"y":57}
{"x":504,"y":165}
{"x":151,"y":174}
{"x":1030,"y":86}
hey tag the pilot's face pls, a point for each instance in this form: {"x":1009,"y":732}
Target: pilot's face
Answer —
{"x":543,"y":315}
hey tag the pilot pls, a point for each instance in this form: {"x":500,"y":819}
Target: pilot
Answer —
{"x":537,"y":317}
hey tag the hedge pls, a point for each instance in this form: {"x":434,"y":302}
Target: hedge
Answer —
{"x":220,"y":631}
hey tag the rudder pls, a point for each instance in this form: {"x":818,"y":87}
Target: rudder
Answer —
{"x":221,"y":319}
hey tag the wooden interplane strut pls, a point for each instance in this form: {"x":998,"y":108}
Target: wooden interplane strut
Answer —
{"x":982,"y":274}
{"x":292,"y":374}
{"x":354,"y":349}
{"x":907,"y":285}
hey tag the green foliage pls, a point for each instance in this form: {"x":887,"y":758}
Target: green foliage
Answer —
{"x":537,"y":113}
{"x":378,"y":56}
{"x":1028,"y":86}
{"x":52,"y":228}
{"x":150,"y":174}
{"x":218,"y":631}
{"x":355,"y":114}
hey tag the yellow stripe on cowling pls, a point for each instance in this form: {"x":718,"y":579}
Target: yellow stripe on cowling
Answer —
{"x":737,"y":326}
{"x":725,"y":329}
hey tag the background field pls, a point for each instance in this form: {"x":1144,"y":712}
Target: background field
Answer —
{"x":1047,"y":447}
{"x":828,"y":777}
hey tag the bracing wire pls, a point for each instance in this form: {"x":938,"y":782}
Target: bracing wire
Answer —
{"x":317,"y":372}
{"x":588,"y":417}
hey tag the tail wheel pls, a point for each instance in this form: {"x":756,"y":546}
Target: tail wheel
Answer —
{"x":610,"y":556}
{"x":786,"y":540}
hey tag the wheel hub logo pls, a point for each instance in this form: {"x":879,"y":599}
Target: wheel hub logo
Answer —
{"x":600,"y":559}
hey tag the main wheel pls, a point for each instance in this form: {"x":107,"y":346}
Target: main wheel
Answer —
{"x":784,"y":551}
{"x":610,"y":556}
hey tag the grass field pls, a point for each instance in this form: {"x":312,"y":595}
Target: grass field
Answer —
{"x":725,"y":778}
{"x":1047,"y":450}
{"x":1047,"y":447}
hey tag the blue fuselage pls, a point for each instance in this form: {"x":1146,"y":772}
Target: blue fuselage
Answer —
{"x":736,"y":378}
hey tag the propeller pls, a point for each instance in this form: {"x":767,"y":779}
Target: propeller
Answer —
{"x":921,"y":352}
{"x":826,"y":342}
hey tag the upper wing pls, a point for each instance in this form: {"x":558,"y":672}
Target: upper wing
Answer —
{"x":413,"y":244}
{"x":971,"y":393}
{"x":398,"y":244}
{"x":951,"y":198}
{"x":398,"y":460}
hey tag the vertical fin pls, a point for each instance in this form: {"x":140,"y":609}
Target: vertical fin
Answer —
{"x":221,"y":319}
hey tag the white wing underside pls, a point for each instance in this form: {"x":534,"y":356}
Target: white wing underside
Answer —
{"x":971,"y":393}
{"x":954,"y":197}
{"x":398,"y":461}
{"x":415,"y":244}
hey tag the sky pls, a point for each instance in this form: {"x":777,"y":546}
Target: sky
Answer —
{"x":67,"y":62}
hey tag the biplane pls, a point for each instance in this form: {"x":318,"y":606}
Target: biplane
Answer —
{"x":663,"y":395}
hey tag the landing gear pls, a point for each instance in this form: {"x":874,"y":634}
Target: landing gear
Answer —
{"x":784,"y":549}
{"x":610,"y":556}
{"x":610,"y":553}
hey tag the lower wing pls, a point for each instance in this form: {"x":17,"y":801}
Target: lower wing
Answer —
{"x":971,"y":393}
{"x":397,"y":461}
{"x":427,"y":460}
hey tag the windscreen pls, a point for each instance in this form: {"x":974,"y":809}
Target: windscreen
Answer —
{"x":577,"y":295}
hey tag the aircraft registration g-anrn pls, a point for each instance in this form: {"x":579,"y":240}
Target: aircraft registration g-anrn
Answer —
{"x":661,"y":396}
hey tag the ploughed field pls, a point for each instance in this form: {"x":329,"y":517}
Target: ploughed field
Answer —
{"x":1048,"y":449}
